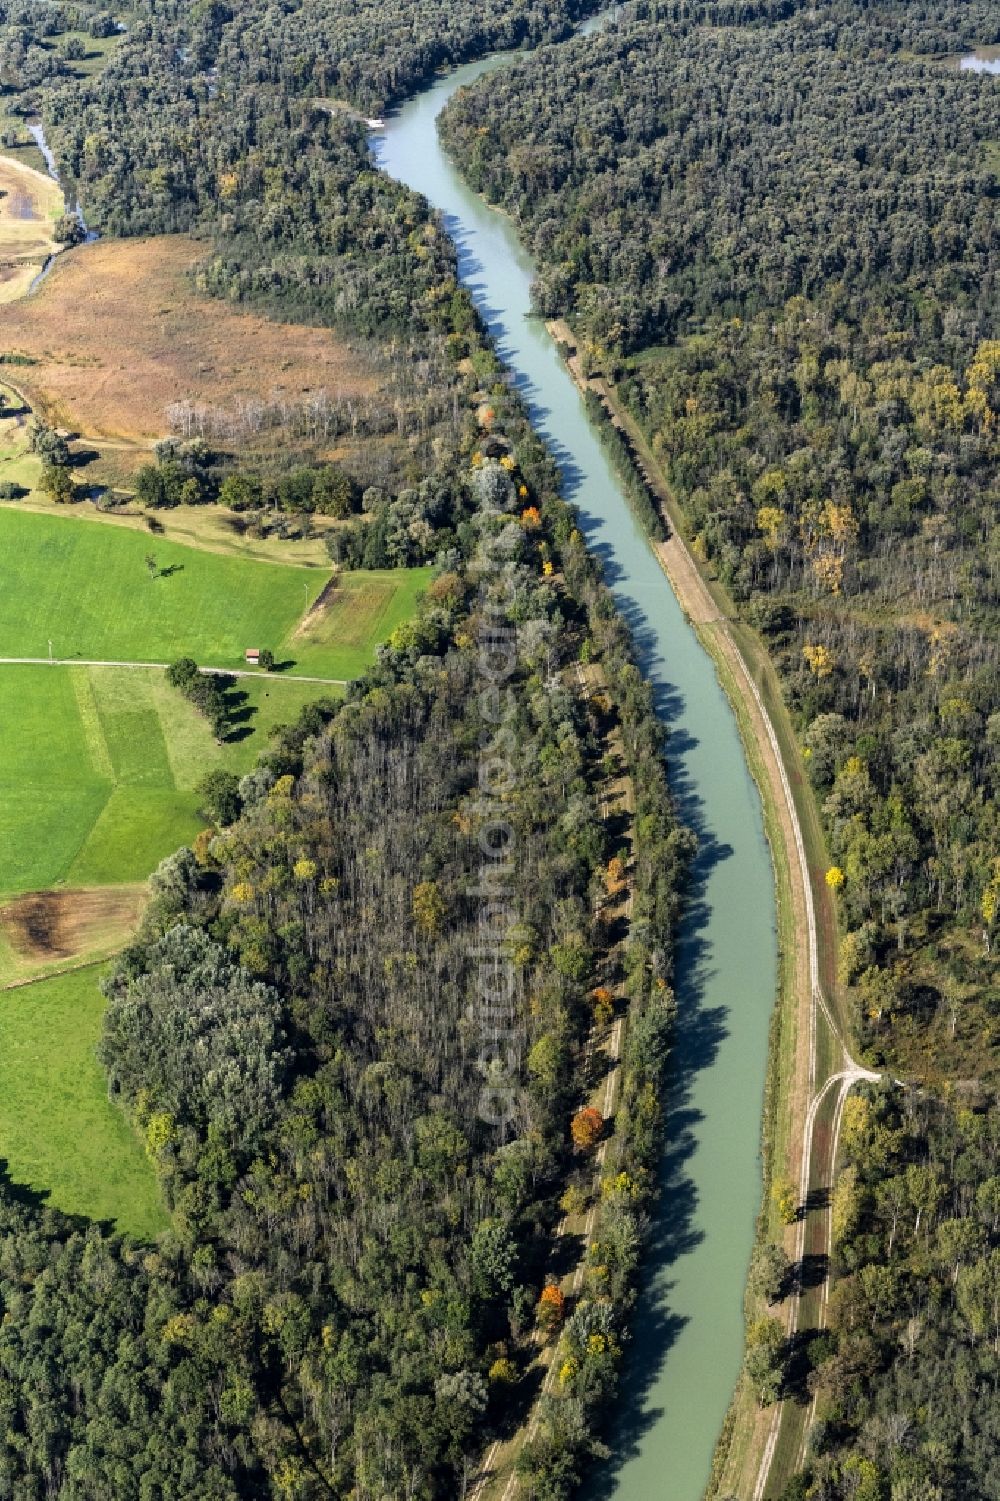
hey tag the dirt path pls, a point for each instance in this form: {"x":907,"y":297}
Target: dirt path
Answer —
{"x":225,"y":672}
{"x":71,"y":969}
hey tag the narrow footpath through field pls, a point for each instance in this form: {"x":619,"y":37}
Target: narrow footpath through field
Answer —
{"x":226,"y":672}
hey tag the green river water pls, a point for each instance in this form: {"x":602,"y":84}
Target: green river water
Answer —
{"x":684,"y":1357}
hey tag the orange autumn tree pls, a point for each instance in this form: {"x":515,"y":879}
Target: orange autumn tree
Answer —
{"x":551,"y":1307}
{"x":604,"y":1005}
{"x":587,"y":1126}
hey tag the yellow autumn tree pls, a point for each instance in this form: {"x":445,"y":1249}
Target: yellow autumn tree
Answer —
{"x":982,"y":380}
{"x":573,"y":1201}
{"x":844,"y":1210}
{"x":160,"y":1132}
{"x":428,"y":907}
{"x":821,"y":660}
{"x":771,"y":522}
{"x":854,"y":1124}
{"x":786,"y":1200}
{"x":828,"y":571}
{"x":990,"y":903}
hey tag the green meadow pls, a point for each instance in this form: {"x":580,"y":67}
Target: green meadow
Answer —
{"x":99,"y":766}
{"x":99,"y":770}
{"x":89,"y":589}
{"x":59,"y":1133}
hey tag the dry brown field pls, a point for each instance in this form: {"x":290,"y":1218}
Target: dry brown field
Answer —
{"x":119,"y":333}
{"x":48,"y":925}
{"x":30,"y":202}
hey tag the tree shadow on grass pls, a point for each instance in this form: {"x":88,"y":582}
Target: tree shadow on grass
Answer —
{"x":21,"y":1193}
{"x":798,"y":1366}
{"x":240,"y":712}
{"x":38,"y":1201}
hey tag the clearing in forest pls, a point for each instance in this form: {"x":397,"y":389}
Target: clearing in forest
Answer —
{"x":60,"y":1135}
{"x":117,"y":333}
{"x":99,"y":770}
{"x":357,"y":608}
{"x":212,"y":528}
{"x":30,"y":203}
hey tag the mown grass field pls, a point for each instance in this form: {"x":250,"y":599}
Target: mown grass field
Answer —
{"x":59,"y":1133}
{"x":99,"y":766}
{"x":88,"y":590}
{"x":98,"y":771}
{"x":45,"y":932}
{"x":357,"y":610}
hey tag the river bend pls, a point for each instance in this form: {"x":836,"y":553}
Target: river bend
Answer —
{"x":684,"y":1357}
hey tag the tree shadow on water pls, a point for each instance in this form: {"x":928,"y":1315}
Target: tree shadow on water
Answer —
{"x":701,"y":1025}
{"x":655,"y":1325}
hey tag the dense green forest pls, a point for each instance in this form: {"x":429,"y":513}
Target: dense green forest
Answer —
{"x":908,"y":1375}
{"x":358,"y":1244}
{"x":216,"y":118}
{"x":775,"y":225}
{"x":776,"y":229}
{"x":363,"y":1170}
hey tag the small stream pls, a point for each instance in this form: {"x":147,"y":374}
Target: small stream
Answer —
{"x":37,"y":133}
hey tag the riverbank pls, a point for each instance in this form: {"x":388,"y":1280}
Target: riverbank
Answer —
{"x":760,"y":1449}
{"x":497,"y":1478}
{"x":684,"y":1355}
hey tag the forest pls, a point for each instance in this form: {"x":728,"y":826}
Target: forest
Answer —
{"x":358,"y":1264}
{"x":775,"y":229}
{"x":774,"y":226}
{"x":227,"y":120}
{"x":352,"y":1279}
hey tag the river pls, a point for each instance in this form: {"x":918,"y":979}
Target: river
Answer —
{"x":685,"y":1354}
{"x":37,"y":133}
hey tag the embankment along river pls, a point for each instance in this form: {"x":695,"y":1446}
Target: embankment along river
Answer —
{"x":684,"y":1358}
